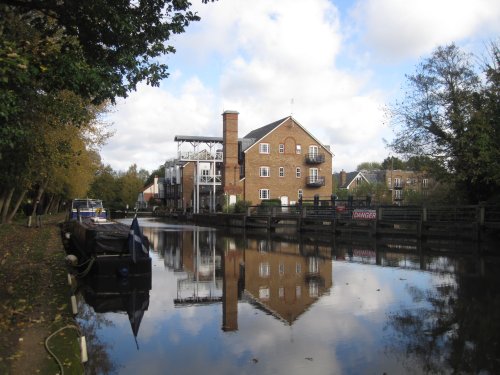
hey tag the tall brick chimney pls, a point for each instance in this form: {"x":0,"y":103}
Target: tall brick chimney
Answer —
{"x":343,"y":177}
{"x":231,"y":174}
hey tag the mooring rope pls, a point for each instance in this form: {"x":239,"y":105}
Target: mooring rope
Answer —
{"x":87,"y":269}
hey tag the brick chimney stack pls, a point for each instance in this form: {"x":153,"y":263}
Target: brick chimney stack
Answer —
{"x":343,"y":177}
{"x":231,"y":174}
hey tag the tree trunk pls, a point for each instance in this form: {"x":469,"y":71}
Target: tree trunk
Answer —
{"x":16,"y":206}
{"x":6,"y":205}
{"x":39,"y":194}
{"x":2,"y":198}
{"x":55,"y":204}
{"x":49,"y":205}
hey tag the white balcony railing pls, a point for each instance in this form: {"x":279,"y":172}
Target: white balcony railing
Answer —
{"x":200,"y":155}
{"x":210,"y":179}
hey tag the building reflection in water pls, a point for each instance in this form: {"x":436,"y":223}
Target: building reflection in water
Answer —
{"x":281,"y":278}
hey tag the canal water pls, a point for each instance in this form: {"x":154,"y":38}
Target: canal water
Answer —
{"x":251,"y":303}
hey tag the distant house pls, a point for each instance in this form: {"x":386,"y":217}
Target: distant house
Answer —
{"x":155,"y":190}
{"x":280,"y":160}
{"x":398,"y":182}
{"x":349,"y":180}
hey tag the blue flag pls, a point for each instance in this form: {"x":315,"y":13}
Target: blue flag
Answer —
{"x":136,"y":245}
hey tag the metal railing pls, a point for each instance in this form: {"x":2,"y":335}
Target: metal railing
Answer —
{"x":210,"y":179}
{"x":315,"y":158}
{"x":200,"y":155}
{"x":315,"y":181}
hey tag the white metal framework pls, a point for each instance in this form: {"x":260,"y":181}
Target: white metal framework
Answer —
{"x":206,"y":152}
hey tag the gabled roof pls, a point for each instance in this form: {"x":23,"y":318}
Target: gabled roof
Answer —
{"x":350,"y":177}
{"x":374,"y":176}
{"x":255,"y":135}
{"x":262,"y":131}
{"x":371,"y":177}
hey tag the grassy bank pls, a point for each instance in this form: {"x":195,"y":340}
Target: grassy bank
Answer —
{"x":35,"y":300}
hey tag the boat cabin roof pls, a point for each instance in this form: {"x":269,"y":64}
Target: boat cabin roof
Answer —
{"x":86,"y":203}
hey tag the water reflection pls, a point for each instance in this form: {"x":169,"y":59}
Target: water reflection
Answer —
{"x":225,"y":303}
{"x":107,"y":293}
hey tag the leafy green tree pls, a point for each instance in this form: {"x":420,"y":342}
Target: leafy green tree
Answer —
{"x":378,"y":192}
{"x":420,"y":163}
{"x":105,"y":187}
{"x":392,"y":162}
{"x":160,"y":172}
{"x":106,"y":48}
{"x":445,"y":117}
{"x":55,"y":155}
{"x":369,"y":166}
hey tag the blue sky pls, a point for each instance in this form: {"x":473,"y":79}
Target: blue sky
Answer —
{"x":342,"y":62}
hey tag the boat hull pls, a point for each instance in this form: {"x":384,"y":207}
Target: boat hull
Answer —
{"x":103,"y":248}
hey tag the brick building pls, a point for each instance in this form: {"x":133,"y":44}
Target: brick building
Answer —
{"x":281,"y":160}
{"x":399,"y":182}
{"x":151,"y":194}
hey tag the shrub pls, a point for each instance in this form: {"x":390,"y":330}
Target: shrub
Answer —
{"x":242,"y":206}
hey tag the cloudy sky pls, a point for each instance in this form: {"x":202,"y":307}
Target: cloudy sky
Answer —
{"x":333,"y":64}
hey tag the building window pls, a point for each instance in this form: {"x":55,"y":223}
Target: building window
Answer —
{"x":298,"y":268}
{"x":263,"y":246}
{"x":408,"y":181}
{"x":264,"y":194}
{"x":282,"y":171}
{"x":298,"y":149}
{"x":300,"y":193}
{"x":297,"y":172}
{"x":264,"y":172}
{"x":281,"y":292}
{"x":313,"y":289}
{"x":397,"y":182}
{"x":281,"y":148}
{"x":282,"y":269}
{"x":264,"y":148}
{"x":298,"y":291}
{"x":425,"y":182}
{"x":313,"y":264}
{"x":264,"y":270}
{"x":313,"y":151}
{"x":399,"y":194}
{"x":264,"y":292}
{"x":313,"y":174}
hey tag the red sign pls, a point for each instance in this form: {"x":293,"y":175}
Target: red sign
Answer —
{"x":364,"y":214}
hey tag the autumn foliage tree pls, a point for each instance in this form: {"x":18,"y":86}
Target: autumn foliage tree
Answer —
{"x":55,"y":52}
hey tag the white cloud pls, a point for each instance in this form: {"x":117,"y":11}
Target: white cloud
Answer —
{"x":255,"y":57}
{"x":401,"y":29}
{"x":147,"y":121}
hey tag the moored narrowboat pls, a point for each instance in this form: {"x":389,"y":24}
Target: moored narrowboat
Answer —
{"x":104,"y":246}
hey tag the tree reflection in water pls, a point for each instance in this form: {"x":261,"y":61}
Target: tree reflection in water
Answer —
{"x":456,"y":329}
{"x":99,"y":361}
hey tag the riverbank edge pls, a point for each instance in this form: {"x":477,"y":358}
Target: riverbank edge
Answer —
{"x":35,"y":299}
